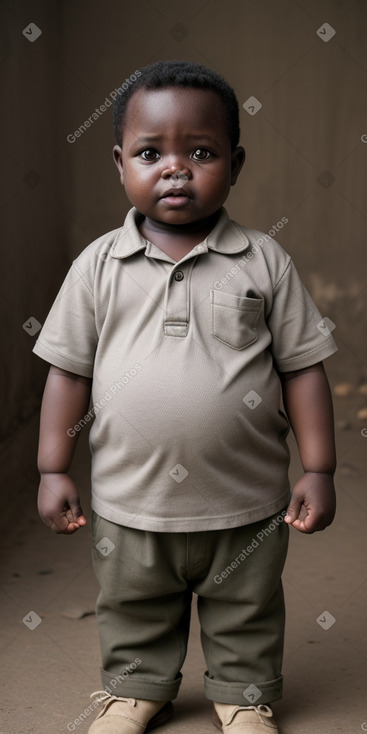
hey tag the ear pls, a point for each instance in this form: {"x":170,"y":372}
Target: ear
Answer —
{"x":237,"y":160}
{"x":117,"y":157}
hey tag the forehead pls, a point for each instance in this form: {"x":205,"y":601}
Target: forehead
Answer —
{"x":181,"y":108}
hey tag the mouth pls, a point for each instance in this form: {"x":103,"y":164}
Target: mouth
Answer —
{"x":175,"y":192}
{"x":176,"y":197}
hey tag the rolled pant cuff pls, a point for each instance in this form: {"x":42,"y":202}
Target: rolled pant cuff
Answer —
{"x":143,"y":688}
{"x":243,"y":694}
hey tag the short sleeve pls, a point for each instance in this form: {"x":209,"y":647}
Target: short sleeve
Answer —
{"x":68,"y":338}
{"x":300,"y":335}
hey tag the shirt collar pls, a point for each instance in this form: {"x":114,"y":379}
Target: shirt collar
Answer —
{"x":226,"y":237}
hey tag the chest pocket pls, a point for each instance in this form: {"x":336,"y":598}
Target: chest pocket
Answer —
{"x":234,"y":318}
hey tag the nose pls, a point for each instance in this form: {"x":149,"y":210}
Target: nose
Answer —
{"x":177,"y":171}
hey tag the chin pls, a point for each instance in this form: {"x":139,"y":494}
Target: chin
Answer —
{"x":172,"y":216}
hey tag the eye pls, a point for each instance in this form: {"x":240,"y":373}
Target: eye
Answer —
{"x":149,"y":154}
{"x":201,"y":154}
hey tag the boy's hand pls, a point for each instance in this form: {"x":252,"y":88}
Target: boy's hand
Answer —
{"x":59,"y":504}
{"x":313,"y":502}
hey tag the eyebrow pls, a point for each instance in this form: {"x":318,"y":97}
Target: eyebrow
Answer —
{"x":148,"y":139}
{"x":156,"y":138}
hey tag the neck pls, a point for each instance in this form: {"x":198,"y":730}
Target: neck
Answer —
{"x":200,"y":227}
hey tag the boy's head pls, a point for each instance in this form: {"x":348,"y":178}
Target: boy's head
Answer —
{"x":184,"y":74}
{"x":177,"y":129}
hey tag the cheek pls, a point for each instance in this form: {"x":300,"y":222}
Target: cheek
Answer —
{"x":217,"y":180}
{"x":136,"y":178}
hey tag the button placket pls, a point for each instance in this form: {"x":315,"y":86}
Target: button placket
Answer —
{"x":177,"y":312}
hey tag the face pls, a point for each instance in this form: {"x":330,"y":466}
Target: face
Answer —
{"x":180,"y":133}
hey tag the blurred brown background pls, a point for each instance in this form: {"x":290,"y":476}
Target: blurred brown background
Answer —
{"x":305,"y":61}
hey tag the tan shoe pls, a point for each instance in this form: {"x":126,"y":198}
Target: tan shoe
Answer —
{"x":128,"y":715}
{"x":244,"y":719}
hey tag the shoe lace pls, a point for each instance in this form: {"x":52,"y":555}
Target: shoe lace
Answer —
{"x":104,"y":697}
{"x":262,"y":709}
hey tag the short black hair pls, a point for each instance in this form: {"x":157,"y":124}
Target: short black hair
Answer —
{"x":176,"y":73}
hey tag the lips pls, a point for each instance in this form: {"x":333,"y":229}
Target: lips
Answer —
{"x":176,"y":193}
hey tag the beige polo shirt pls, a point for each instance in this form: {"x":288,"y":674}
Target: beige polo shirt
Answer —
{"x":188,"y":429}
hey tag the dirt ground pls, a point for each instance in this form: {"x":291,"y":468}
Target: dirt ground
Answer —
{"x":49,"y":669}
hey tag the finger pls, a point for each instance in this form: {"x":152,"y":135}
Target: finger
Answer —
{"x":63,"y":524}
{"x":309,"y":524}
{"x":70,"y":528}
{"x":69,"y":515}
{"x":81,"y":520}
{"x":301,"y":526}
{"x":293,"y":510}
{"x":75,"y":507}
{"x":58,"y":524}
{"x":314,"y":522}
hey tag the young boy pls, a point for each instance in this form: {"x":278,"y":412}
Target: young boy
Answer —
{"x":190,"y":329}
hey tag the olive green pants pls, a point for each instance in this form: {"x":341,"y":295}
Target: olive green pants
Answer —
{"x":143,"y":609}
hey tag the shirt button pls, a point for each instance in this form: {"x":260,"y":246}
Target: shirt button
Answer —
{"x":179,"y":275}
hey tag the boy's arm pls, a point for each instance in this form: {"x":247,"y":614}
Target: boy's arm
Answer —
{"x":307,"y":400}
{"x":65,"y":401}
